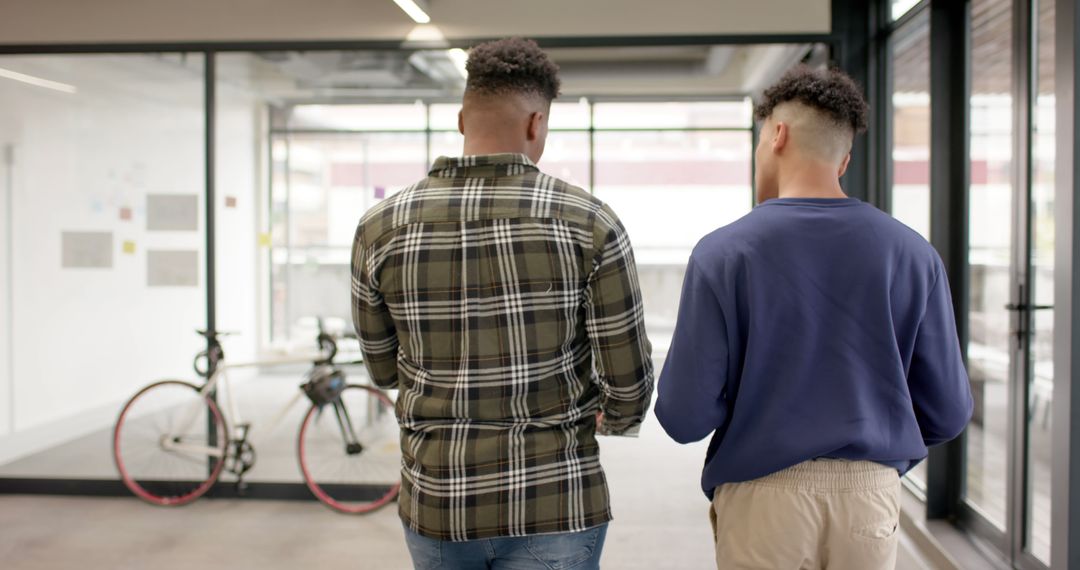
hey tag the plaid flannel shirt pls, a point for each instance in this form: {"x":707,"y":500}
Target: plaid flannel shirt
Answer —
{"x":504,"y":306}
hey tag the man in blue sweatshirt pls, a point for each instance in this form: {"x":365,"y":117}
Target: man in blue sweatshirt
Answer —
{"x":816,"y":343}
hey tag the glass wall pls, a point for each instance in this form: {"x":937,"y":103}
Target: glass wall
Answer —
{"x":910,"y":145}
{"x":990,"y":255}
{"x":1041,"y":388}
{"x":105,"y":179}
{"x":911,"y":124}
{"x":673,"y":171}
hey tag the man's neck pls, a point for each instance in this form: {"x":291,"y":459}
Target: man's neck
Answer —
{"x":810,"y":182}
{"x":492,"y":145}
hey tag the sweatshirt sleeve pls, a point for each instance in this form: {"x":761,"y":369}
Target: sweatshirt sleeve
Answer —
{"x":690,"y":403}
{"x":938,"y":382}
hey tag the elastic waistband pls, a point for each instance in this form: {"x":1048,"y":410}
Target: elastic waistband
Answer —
{"x":834,"y":475}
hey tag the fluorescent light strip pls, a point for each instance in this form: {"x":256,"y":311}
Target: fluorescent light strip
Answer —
{"x":414,"y":11}
{"x":459,"y":57}
{"x":37,"y":81}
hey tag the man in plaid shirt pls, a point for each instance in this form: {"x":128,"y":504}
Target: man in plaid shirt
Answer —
{"x":504,"y":305}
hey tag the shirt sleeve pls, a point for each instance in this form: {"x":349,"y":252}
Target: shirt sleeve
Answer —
{"x":615,"y":325}
{"x":938,"y":382}
{"x":690,"y":402}
{"x":374,"y":325}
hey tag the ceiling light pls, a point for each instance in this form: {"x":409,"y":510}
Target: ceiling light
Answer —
{"x":426,"y":33}
{"x":37,"y":81}
{"x":415,"y":10}
{"x":459,"y":57}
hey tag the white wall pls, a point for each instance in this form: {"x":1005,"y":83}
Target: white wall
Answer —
{"x":79,"y":21}
{"x":5,"y":375}
{"x":88,"y":338}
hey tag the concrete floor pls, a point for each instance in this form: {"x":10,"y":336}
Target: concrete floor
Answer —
{"x":660,"y":523}
{"x":660,"y":513}
{"x":659,"y":509}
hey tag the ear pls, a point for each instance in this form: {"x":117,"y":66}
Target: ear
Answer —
{"x":780,"y":137}
{"x":536,"y":122}
{"x":461,"y":122}
{"x":844,"y":165}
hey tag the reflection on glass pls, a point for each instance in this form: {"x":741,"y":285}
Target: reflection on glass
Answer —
{"x":911,"y":125}
{"x":1041,"y":389}
{"x":989,"y":254}
{"x":671,"y":188}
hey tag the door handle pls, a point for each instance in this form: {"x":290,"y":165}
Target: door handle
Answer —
{"x":1026,"y":307}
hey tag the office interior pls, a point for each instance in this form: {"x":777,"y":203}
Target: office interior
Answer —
{"x":183,"y":166}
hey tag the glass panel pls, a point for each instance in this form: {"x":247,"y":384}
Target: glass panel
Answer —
{"x":911,"y":139}
{"x":444,"y":116}
{"x":990,"y":217}
{"x":566,"y":155}
{"x":570,"y":115}
{"x":901,"y":7}
{"x":721,"y":114}
{"x":397,"y":117}
{"x":1042,"y":216}
{"x":670,"y":189}
{"x":106,"y":181}
{"x":446,"y":143}
{"x":564,"y":115}
{"x":332,"y":180}
{"x":911,"y":125}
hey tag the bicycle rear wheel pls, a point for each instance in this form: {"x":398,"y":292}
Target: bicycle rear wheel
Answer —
{"x":162,"y":443}
{"x":349,"y":451}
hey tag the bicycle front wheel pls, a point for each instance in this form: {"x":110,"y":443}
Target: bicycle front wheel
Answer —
{"x":349,"y":451}
{"x":169,"y":443}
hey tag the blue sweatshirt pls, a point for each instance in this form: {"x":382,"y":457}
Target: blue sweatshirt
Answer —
{"x":813,"y":328}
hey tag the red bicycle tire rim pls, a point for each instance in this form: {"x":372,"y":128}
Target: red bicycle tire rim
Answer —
{"x":138,"y":489}
{"x":323,"y":496}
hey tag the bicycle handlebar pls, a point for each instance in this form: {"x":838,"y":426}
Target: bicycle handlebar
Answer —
{"x":205,"y":361}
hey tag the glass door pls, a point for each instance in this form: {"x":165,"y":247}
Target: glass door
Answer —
{"x":1007,"y":479}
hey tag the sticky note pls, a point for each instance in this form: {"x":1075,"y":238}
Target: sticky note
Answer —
{"x":264,"y":240}
{"x":129,"y":247}
{"x":125,"y":213}
{"x":230,"y":201}
{"x":380,"y":192}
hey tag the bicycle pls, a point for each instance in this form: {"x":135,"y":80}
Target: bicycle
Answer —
{"x":172,"y":440}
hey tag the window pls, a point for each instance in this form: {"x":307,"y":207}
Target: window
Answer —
{"x":673,"y":171}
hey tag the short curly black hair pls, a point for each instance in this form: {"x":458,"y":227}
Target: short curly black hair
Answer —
{"x":830,"y":91}
{"x":512,"y":65}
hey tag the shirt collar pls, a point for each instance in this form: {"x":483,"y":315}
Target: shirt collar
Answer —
{"x":484,"y":164}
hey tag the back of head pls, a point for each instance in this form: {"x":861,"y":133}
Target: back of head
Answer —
{"x":823,"y":108}
{"x":509,"y":67}
{"x":508,"y":95}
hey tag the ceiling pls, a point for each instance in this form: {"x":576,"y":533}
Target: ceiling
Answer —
{"x":684,"y":71}
{"x":146,"y":21}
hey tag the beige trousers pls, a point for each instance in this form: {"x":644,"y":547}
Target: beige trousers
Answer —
{"x":821,"y":514}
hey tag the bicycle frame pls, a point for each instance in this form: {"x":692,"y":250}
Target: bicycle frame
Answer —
{"x":231,"y":413}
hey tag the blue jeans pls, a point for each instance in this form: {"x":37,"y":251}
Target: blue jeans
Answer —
{"x":577,"y":550}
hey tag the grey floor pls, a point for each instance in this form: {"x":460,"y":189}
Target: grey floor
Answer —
{"x":659,"y":509}
{"x":660,"y":523}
